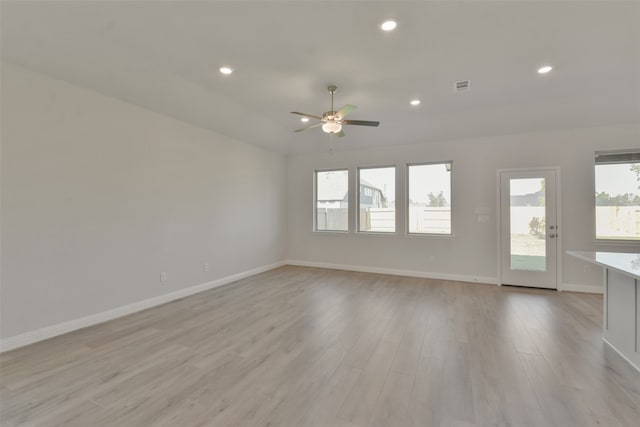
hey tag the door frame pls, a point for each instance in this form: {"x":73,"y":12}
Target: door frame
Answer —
{"x":559,"y":252}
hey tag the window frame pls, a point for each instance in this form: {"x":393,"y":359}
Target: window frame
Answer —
{"x":633,"y":153}
{"x":408,"y":200}
{"x":357,"y":191}
{"x":315,"y":201}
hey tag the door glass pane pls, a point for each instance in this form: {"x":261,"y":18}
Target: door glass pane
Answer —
{"x":528,"y":225}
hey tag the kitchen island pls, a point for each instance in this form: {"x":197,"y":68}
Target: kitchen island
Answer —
{"x":621,"y":315}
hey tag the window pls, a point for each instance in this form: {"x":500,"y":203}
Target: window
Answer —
{"x":617,"y":197}
{"x":429,"y":201}
{"x":377,"y":199}
{"x":332,"y":200}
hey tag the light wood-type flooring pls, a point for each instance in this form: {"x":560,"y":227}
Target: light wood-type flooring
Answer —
{"x":310,"y":347}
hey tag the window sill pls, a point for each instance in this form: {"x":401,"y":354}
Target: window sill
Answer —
{"x":620,"y":243}
{"x":330,"y":232}
{"x":376,"y":233}
{"x":429,"y":236}
{"x":394,"y":235}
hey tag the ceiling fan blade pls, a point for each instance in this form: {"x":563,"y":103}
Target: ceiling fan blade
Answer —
{"x":314,"y":125}
{"x":360,"y":122}
{"x":307,"y":115}
{"x":340,"y":134}
{"x":347,"y":109}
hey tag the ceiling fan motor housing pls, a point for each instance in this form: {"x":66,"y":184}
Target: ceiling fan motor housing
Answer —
{"x":329,"y":115}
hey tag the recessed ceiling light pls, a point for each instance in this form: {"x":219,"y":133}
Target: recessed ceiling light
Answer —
{"x":304,"y":119}
{"x":388,"y":25}
{"x":415,"y":102}
{"x":545,"y":69}
{"x":226,"y":70}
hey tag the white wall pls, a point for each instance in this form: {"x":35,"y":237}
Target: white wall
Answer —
{"x":100,"y":196}
{"x":472,"y":253}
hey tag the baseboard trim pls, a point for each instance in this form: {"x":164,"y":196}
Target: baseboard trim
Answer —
{"x":589,"y":289}
{"x":394,"y":272}
{"x":31,"y":337}
{"x":637,"y":368}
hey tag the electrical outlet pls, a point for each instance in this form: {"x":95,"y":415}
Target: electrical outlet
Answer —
{"x":163,"y":277}
{"x":205,"y":267}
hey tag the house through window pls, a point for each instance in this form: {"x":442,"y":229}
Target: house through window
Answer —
{"x":377,"y":199}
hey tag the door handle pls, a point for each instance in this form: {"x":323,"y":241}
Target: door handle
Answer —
{"x":552,"y":235}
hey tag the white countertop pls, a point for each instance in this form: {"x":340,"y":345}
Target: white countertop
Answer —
{"x":625,"y":263}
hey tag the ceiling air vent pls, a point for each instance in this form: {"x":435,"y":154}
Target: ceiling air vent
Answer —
{"x":462,"y":86}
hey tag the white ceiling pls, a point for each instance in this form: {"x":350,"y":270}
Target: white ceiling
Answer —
{"x":165,"y":55}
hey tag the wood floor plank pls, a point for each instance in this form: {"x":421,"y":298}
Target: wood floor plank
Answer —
{"x":360,"y":402}
{"x":392,"y":408}
{"x":81,"y":414}
{"x":309,"y":347}
{"x":426,"y":403}
{"x":458,"y":403}
{"x":324,"y":410}
{"x":559,"y":402}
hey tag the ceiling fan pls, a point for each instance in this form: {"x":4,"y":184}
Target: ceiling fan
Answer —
{"x":332,"y":121}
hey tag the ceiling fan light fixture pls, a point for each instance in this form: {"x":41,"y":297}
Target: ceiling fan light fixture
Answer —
{"x":332,"y":127}
{"x":226,"y":70}
{"x":545,"y":69}
{"x":415,"y":102}
{"x":388,"y":25}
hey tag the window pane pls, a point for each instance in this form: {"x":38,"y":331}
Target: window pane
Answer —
{"x":618,"y":201}
{"x":377,"y":200}
{"x":430,"y":198}
{"x":332,"y":200}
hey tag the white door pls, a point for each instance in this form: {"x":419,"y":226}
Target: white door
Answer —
{"x":528,"y":228}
